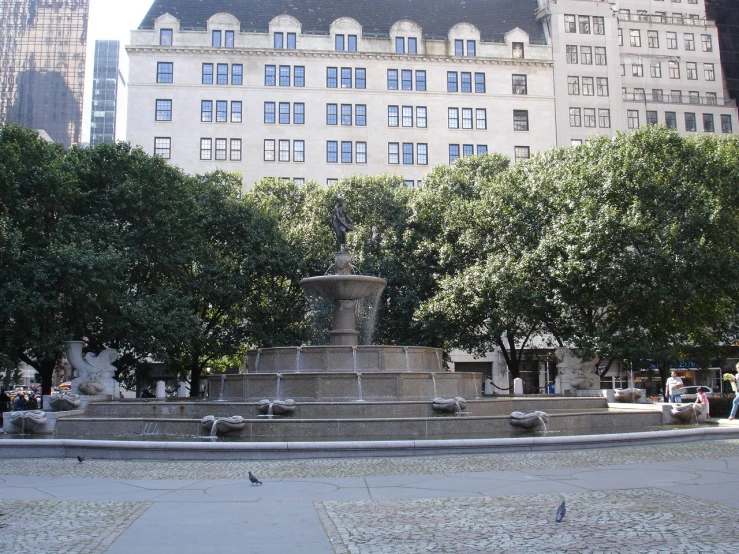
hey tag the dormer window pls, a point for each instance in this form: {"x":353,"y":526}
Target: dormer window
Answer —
{"x":345,"y":43}
{"x":280,"y":42}
{"x":401,"y":42}
{"x":223,"y":38}
{"x":165,"y":37}
{"x":216,"y":42}
{"x":229,"y":39}
{"x":399,"y":45}
{"x":518,"y":50}
{"x":339,"y":43}
{"x":412,"y":45}
{"x":459,"y":48}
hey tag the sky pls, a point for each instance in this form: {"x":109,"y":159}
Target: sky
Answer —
{"x":110,"y":20}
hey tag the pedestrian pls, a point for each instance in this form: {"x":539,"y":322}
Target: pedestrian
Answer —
{"x":674,"y":385}
{"x":702,"y":398}
{"x":19,"y":404}
{"x":5,"y":404}
{"x":31,"y":403}
{"x":735,"y":404}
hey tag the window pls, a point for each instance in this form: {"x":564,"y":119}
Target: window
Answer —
{"x":459,"y":47}
{"x":332,"y":114}
{"x":602,"y":86}
{"x":421,"y":116}
{"x":352,"y":43}
{"x":623,"y":69}
{"x":570,"y":24}
{"x":163,"y":110}
{"x":604,"y":118}
{"x":393,"y":153}
{"x":653,"y":39}
{"x":482,"y":149}
{"x":332,"y":77}
{"x":451,"y":81}
{"x":299,"y":76}
{"x":725,"y":123}
{"x":299,"y":113}
{"x":571,"y":52}
{"x":407,"y":153}
{"x":298,"y":150}
{"x":332,"y":152}
{"x":360,"y":152}
{"x":635,"y":37}
{"x":633,"y":118}
{"x":519,"y":84}
{"x":229,"y":40}
{"x":360,"y":115}
{"x":471,"y":48}
{"x":360,"y":77}
{"x":407,"y":116}
{"x":707,"y":43}
{"x":480,"y":83}
{"x":235,"y":150}
{"x":422,"y":156}
{"x":206,"y":111}
{"x":517,"y":50}
{"x":399,"y":45}
{"x":674,"y":68}
{"x":270,"y":75}
{"x":392,"y":116}
{"x":676,"y":96}
{"x":708,"y":72}
{"x":412,"y":45}
{"x":657,"y":95}
{"x":165,"y":37}
{"x":284,"y":113}
{"x":651,"y":117}
{"x":655,"y":69}
{"x":671,"y":120}
{"x":237,"y":74}
{"x":346,"y":114}
{"x":222,"y":74}
{"x":453,"y":152}
{"x":236,"y":111}
{"x":521,"y":153}
{"x":346,"y":77}
{"x":620,"y":37}
{"x":163,"y":147}
{"x":392,"y":79}
{"x":643,"y":16}
{"x":284,"y":75}
{"x":216,"y":39}
{"x":279,"y":41}
{"x":691,"y":69}
{"x":637,"y":70}
{"x":284,"y":151}
{"x":588,"y":117}
{"x":599,"y":27}
{"x":588,"y":88}
{"x":206,"y":149}
{"x":481,"y":118}
{"x":573,"y":85}
{"x":584,"y":22}
{"x":575,"y":117}
{"x":586,"y":55}
{"x":331,"y":181}
{"x":711,"y":99}
{"x":466,"y":118}
{"x":339,"y":43}
{"x":708,"y":123}
{"x":466,"y":82}
{"x":220,"y":149}
{"x":600,"y":55}
{"x":406,"y":79}
{"x":421,"y":79}
{"x":690,"y":121}
{"x":671,"y":40}
{"x":269,"y":112}
{"x":165,"y":72}
{"x":346,"y":152}
{"x":467,"y":149}
{"x":221,"y":111}
{"x":639,"y":94}
{"x":291,"y":41}
{"x":689,"y":41}
{"x":694,"y":97}
{"x":453,"y":118}
{"x":520,"y":120}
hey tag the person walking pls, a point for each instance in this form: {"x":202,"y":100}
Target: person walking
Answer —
{"x":735,"y":404}
{"x":674,"y":384}
{"x":19,"y":404}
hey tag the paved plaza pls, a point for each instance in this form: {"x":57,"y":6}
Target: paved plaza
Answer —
{"x":659,"y":498}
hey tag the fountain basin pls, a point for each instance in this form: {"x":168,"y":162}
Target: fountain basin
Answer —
{"x":343,"y":287}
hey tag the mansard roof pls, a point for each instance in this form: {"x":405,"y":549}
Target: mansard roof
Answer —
{"x":493,"y":18}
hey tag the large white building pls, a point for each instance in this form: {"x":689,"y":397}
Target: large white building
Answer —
{"x":321,"y":89}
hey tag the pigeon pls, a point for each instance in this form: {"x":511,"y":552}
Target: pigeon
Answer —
{"x":561,"y":511}
{"x":81,"y":459}
{"x":254,"y":480}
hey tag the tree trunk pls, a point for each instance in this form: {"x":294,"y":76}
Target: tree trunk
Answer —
{"x":45,"y":369}
{"x":195,"y":372}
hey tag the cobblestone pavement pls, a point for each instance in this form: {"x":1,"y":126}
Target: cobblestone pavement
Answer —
{"x":55,"y":526}
{"x":648,"y":520}
{"x":368,"y":467}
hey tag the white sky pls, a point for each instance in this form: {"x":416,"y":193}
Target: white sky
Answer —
{"x":110,"y":20}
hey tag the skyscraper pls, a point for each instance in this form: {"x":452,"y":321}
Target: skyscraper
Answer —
{"x":42,"y":65}
{"x":104,"y":91}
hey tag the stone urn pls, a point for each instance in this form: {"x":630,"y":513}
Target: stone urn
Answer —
{"x":64,"y":402}
{"x":29,"y":421}
{"x":530,"y":421}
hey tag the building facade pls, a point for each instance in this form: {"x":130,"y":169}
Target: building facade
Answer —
{"x":106,"y":82}
{"x":726,"y":15}
{"x":42,"y":65}
{"x":287,"y":90}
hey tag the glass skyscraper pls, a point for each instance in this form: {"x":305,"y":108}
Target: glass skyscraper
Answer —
{"x":104,"y":91}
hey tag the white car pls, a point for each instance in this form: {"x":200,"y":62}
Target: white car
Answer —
{"x":688,"y":393}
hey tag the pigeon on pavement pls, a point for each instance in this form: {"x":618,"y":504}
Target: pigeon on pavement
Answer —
{"x":561,"y":511}
{"x":254,"y":480}
{"x":81,"y":459}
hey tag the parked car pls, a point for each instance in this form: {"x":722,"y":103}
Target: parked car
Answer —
{"x":688,"y":394}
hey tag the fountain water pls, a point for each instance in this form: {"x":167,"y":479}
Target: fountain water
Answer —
{"x":256,"y":363}
{"x":297,"y":359}
{"x":407,"y":366}
{"x":278,"y":391}
{"x":223,"y":385}
{"x":433,"y":381}
{"x":354,"y":358}
{"x":359,"y":387}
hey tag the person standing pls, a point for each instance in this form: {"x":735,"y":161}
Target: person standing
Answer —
{"x":702,"y":398}
{"x":674,"y":384}
{"x":19,"y":404}
{"x":735,"y":404}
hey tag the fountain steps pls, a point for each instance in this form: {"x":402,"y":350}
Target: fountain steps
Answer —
{"x":458,"y":426}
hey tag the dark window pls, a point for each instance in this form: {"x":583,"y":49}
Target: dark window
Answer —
{"x":671,"y":120}
{"x":480,"y":83}
{"x":163,"y":110}
{"x":399,"y":45}
{"x":519,"y":84}
{"x":360,"y":78}
{"x":652,"y":117}
{"x":165,"y":37}
{"x":420,"y":79}
{"x":207,"y":73}
{"x":690,"y":121}
{"x":708,"y":123}
{"x":392,"y":79}
{"x":299,"y":76}
{"x":332,"y":79}
{"x":346,"y":152}
{"x":466,"y":82}
{"x":725,"y":123}
{"x":270,"y":75}
{"x":520,"y":120}
{"x":453,"y":152}
{"x":222,"y":74}
{"x":332,"y":151}
{"x":459,"y":47}
{"x":237,"y":74}
{"x":451,"y":81}
{"x":165,"y":72}
{"x":407,"y":153}
{"x":471,"y":48}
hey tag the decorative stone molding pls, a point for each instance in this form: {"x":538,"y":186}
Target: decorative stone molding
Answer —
{"x":64,"y":402}
{"x":222,"y":425}
{"x":530,"y":421}
{"x":29,"y":421}
{"x":276,"y":407}
{"x":449,"y":405}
